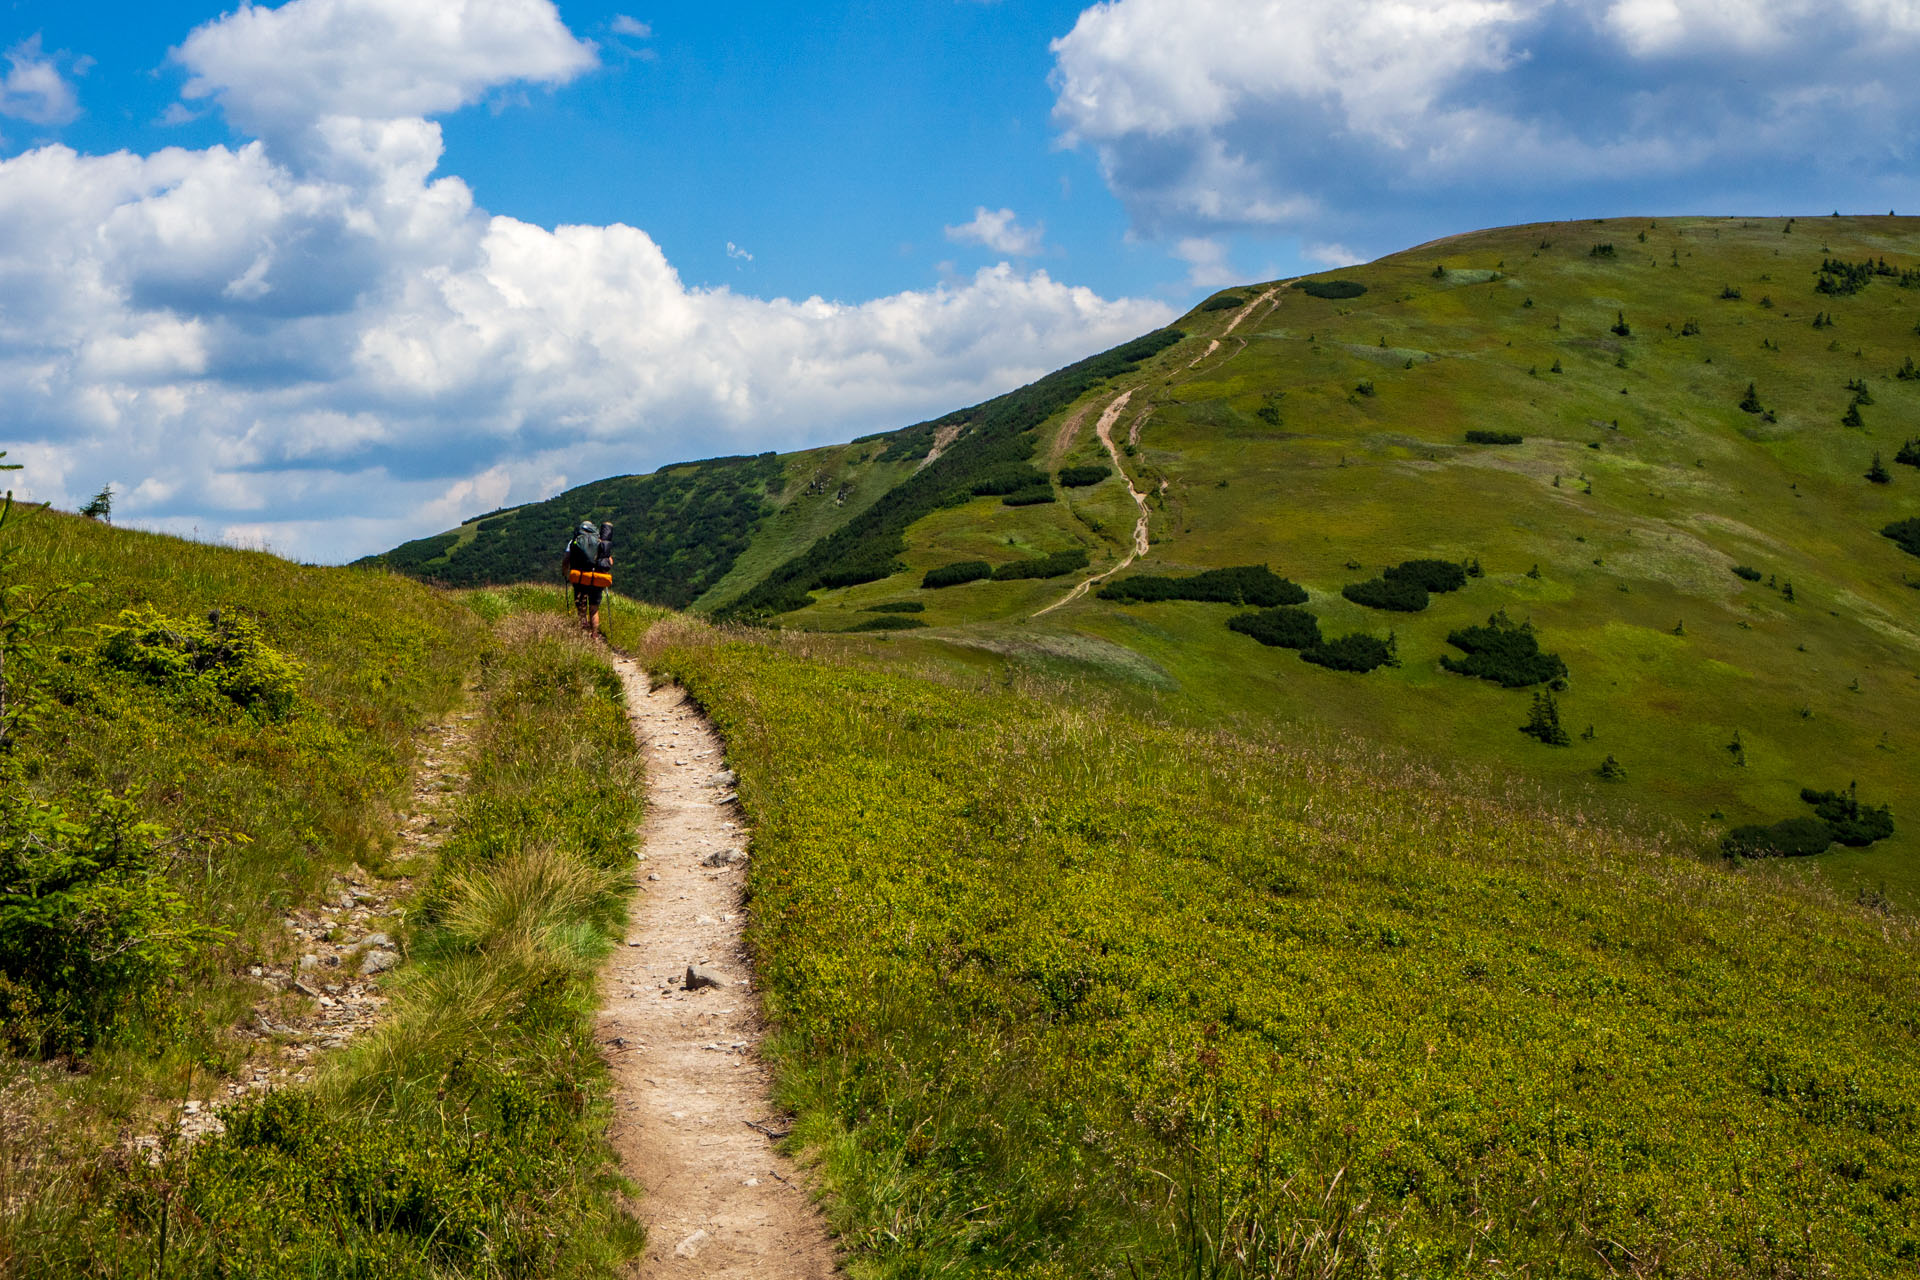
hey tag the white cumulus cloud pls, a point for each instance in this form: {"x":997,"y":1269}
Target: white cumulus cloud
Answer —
{"x":328,"y":348}
{"x":274,"y":70}
{"x":999,"y":231}
{"x":34,"y":90}
{"x":1384,"y":119}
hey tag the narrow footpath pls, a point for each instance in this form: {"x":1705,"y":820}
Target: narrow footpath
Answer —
{"x":1104,"y":429}
{"x":680,"y":1025}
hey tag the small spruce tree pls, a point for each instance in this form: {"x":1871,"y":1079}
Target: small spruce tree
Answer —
{"x":1543,"y":721}
{"x":1750,"y":402}
{"x":1877,"y":473}
{"x":1612,"y":770}
{"x":1852,"y":417}
{"x":100,"y":505}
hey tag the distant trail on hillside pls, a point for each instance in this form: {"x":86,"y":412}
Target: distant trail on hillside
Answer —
{"x":693,"y":1120}
{"x":1104,"y":429}
{"x":1247,"y":310}
{"x":1238,"y":316}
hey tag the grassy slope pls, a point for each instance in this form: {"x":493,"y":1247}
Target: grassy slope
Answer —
{"x":1064,"y":991}
{"x":823,"y":489}
{"x":1685,"y":487}
{"x":378,"y":1170}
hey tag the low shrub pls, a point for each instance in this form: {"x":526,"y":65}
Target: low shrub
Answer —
{"x":1006,"y":478}
{"x":1354,"y":652}
{"x":1252,"y":584}
{"x":897,"y":606}
{"x":1335,"y":290}
{"x":1225,"y":302}
{"x":1909,"y":455}
{"x":1395,"y":594}
{"x":1494,"y":437}
{"x":952,"y":575}
{"x":1283,"y":628}
{"x":1437,"y":576}
{"x":1032,"y":497}
{"x":1747,"y":572}
{"x":1504,"y":653}
{"x":888,"y":622}
{"x":1906,"y":534}
{"x":1081,"y":477}
{"x":1072,"y":560}
{"x":221,"y":656}
{"x":91,"y":929}
{"x":1848,"y":821}
{"x":1794,"y":838}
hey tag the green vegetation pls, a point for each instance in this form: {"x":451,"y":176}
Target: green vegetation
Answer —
{"x":1283,"y":628}
{"x":889,"y":622}
{"x":1071,"y":560}
{"x":1848,"y":821}
{"x":1504,"y":652}
{"x":1905,"y":534}
{"x":953,"y":575}
{"x":1435,"y":576}
{"x":465,"y":1137}
{"x":1223,"y":302}
{"x":1543,"y":722}
{"x":1065,"y":991}
{"x":1792,"y":838}
{"x":1030,"y":497}
{"x":1337,"y":290}
{"x":1746,"y":573}
{"x":897,"y":606}
{"x":1082,"y":477}
{"x":1477,"y":436}
{"x":996,"y":434}
{"x":676,"y":532}
{"x":1399,"y":595}
{"x":1252,"y":584}
{"x":1354,"y":652}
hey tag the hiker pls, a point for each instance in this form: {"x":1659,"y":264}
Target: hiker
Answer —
{"x":590,"y":570}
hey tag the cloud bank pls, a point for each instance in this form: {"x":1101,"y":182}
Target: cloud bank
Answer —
{"x":1372,"y":122}
{"x":311,"y":341}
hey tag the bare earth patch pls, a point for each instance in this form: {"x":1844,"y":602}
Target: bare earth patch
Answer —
{"x":693,"y":1122}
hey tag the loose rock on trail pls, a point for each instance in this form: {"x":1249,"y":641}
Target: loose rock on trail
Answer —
{"x":693,"y":1123}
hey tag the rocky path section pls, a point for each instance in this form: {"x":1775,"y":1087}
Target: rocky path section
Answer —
{"x":1104,"y":429}
{"x":679,"y":1022}
{"x":328,"y":990}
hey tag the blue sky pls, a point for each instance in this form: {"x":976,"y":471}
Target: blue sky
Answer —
{"x":834,"y":144}
{"x":326,"y":274}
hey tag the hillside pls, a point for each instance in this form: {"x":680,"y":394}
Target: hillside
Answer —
{"x":1324,"y":431}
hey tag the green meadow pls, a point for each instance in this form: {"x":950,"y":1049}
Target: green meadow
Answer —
{"x":1327,"y":438}
{"x":1065,"y":990}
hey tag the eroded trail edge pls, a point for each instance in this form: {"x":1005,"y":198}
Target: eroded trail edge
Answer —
{"x":689,"y":1083}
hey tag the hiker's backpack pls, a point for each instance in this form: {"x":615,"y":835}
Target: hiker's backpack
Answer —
{"x":583,"y":561}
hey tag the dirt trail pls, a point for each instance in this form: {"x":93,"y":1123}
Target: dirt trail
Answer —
{"x":1104,"y":429}
{"x":1244,"y":312}
{"x":719,"y":1202}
